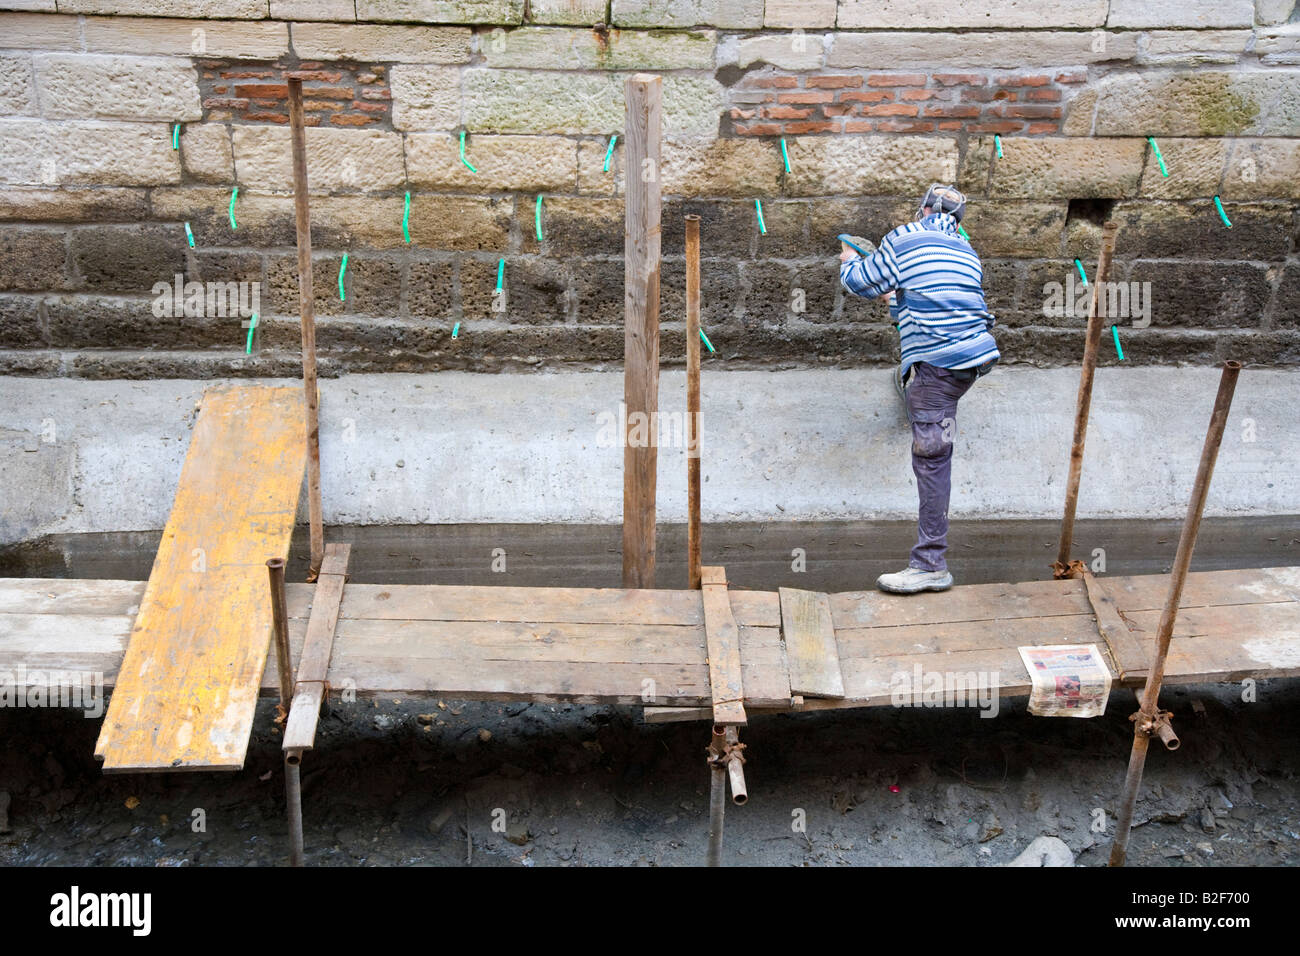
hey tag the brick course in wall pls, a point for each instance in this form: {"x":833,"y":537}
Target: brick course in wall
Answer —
{"x":777,"y":103}
{"x":338,"y":93}
{"x":94,"y":201}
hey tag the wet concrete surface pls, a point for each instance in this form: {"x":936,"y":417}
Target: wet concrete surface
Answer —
{"x":836,"y":555}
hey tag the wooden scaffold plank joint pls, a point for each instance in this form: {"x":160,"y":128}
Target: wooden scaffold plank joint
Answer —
{"x":723,"y":638}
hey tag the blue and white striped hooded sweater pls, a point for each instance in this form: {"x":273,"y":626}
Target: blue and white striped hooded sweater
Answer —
{"x":939,"y":306}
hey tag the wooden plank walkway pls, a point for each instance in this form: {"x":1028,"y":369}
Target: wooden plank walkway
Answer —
{"x":186,"y":689}
{"x":601,"y":646}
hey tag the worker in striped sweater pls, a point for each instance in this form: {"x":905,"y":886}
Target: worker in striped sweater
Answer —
{"x":934,"y":281}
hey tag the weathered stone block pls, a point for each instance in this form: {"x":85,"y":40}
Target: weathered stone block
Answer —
{"x":1199,"y":104}
{"x":380,"y":43}
{"x":1262,"y":169}
{"x":126,"y":259}
{"x":85,"y":321}
{"x":33,"y":259}
{"x":206,"y":153}
{"x":1195,"y":168}
{"x":767,"y":296}
{"x":1026,"y":229}
{"x":529,"y":163}
{"x":914,"y":14}
{"x":1192,"y":46}
{"x":721,"y":294}
{"x":592,"y":176}
{"x":37,"y":153}
{"x":876,"y":165}
{"x":536,"y":290}
{"x":239,"y":39}
{"x":340,"y":10}
{"x":337,"y":159}
{"x":1286,"y":305}
{"x":1062,"y":168}
{"x":262,"y":220}
{"x":17,"y":93}
{"x":870,"y":218}
{"x":1162,"y":230}
{"x":1200,"y":14}
{"x":425,"y":97}
{"x":74,"y":205}
{"x":20,"y":322}
{"x":797,"y":51}
{"x":800,"y":13}
{"x":460,"y":222}
{"x":727,"y":228}
{"x":598,"y":291}
{"x":575,"y":12}
{"x":342,"y":222}
{"x":548,"y":48}
{"x":1278,"y":45}
{"x":281,"y":295}
{"x":1204,"y":294}
{"x":219,"y":265}
{"x":722,"y":167}
{"x":584,"y":227}
{"x":116,"y":87}
{"x":1052,"y":49}
{"x":520,"y":101}
{"x":1003,"y":279}
{"x":442,"y":11}
{"x":1051,"y":294}
{"x":431,"y":288}
{"x":736,"y":14}
{"x":39,"y":31}
{"x":205,"y":9}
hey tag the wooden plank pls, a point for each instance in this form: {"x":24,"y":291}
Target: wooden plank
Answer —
{"x":188,"y":684}
{"x":971,"y":602}
{"x":1131,"y":655}
{"x":643,"y":96}
{"x":726,"y":684}
{"x":811,"y":651}
{"x":313,"y":665}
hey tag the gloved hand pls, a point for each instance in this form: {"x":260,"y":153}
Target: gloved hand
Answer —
{"x":864,"y":247}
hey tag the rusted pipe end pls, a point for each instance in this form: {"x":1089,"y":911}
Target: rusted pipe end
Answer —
{"x":740,"y":799}
{"x":691,"y":217}
{"x":1110,"y":225}
{"x":1232,"y":365}
{"x":1168,"y":737}
{"x":293,"y":757}
{"x":275,"y":563}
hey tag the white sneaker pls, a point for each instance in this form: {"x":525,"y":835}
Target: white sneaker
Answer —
{"x":913,"y":580}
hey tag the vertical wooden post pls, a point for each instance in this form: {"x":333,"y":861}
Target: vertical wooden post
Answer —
{"x":1084,"y":402}
{"x":641,"y":239}
{"x":693,"y":401}
{"x":307,"y":309}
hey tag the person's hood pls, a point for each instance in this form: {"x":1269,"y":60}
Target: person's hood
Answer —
{"x":940,"y":222}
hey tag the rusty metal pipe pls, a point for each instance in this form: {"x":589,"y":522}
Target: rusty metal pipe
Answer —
{"x":1083,"y":404}
{"x":736,"y":768}
{"x":1149,"y":719}
{"x":280,"y":624}
{"x":293,"y":804}
{"x":693,"y":401}
{"x":717,"y":794}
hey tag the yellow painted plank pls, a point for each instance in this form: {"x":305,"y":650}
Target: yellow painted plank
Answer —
{"x":189,"y":682}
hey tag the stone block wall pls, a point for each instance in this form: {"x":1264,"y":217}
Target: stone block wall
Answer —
{"x":126,"y":127}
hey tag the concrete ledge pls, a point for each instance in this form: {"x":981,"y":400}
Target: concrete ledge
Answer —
{"x":94,"y":456}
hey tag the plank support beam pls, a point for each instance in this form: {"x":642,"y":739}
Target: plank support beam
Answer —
{"x":1126,"y":649}
{"x":723,"y":638}
{"x":311,"y":685}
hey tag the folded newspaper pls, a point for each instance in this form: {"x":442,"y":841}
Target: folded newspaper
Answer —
{"x":1068,"y":680}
